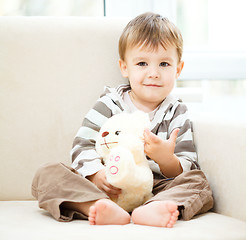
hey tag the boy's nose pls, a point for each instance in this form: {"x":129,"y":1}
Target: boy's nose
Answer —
{"x":154,"y":73}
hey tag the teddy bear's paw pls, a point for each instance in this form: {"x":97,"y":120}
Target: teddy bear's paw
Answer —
{"x":118,"y":165}
{"x":114,"y":169}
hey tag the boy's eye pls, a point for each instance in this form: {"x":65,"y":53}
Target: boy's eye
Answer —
{"x":117,"y":132}
{"x":142,"y":64}
{"x":164,"y":64}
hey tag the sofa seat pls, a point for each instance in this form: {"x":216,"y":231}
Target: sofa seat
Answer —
{"x":24,"y":220}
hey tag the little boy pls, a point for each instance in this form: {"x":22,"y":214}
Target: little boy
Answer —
{"x":150,"y":50}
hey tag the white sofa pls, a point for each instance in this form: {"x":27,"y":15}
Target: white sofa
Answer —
{"x":51,"y":72}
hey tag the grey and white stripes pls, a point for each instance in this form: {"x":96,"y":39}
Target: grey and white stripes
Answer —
{"x":171,"y":114}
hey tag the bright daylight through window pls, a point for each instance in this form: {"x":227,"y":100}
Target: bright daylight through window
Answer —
{"x":213,"y":31}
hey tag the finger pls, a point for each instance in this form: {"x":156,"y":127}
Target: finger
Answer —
{"x":115,"y":191}
{"x":114,"y":188}
{"x":145,"y":134}
{"x":111,"y":189}
{"x":174,"y":135}
{"x":113,"y":196}
{"x":106,"y":183}
{"x":149,"y":136}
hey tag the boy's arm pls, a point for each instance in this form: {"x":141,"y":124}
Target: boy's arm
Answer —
{"x":85,"y":159}
{"x":185,"y":148}
{"x":182,"y":152}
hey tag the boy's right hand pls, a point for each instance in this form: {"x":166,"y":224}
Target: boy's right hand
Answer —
{"x":99,"y":179}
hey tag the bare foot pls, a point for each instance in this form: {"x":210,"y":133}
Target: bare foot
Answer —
{"x":156,"y":213}
{"x":105,"y":212}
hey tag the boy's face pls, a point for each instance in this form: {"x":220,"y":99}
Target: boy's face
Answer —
{"x":152,"y":74}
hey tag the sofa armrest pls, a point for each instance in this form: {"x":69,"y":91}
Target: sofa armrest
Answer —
{"x":221,"y":147}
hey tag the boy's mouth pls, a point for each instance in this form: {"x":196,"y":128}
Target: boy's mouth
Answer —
{"x":152,"y":85}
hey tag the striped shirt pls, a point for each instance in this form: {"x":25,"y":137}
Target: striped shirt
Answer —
{"x":171,"y":114}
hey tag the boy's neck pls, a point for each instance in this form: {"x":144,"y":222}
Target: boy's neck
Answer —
{"x":145,"y":107}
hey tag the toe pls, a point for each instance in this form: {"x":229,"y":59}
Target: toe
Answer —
{"x":92,"y":221}
{"x":169,"y":225}
{"x":172,"y":207}
{"x":176,"y":213}
{"x":174,"y":218}
{"x":92,"y":211}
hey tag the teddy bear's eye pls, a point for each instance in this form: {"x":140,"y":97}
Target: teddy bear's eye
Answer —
{"x":117,"y":132}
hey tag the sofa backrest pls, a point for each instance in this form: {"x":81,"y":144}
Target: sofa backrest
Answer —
{"x":220,"y":142}
{"x":52,"y":70}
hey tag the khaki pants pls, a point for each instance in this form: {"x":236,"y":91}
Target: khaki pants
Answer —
{"x":54,"y":184}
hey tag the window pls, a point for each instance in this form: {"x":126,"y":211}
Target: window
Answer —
{"x":213,"y":30}
{"x":51,"y":8}
{"x":214,"y":49}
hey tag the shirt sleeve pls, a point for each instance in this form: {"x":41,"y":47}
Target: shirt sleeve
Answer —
{"x":85,"y":159}
{"x":185,"y":149}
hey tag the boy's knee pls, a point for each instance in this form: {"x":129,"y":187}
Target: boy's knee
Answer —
{"x":45,"y":177}
{"x":194,"y":179}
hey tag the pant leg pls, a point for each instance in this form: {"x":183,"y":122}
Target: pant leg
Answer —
{"x":190,"y":190}
{"x":56,"y":183}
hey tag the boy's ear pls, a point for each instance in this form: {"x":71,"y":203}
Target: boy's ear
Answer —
{"x":123,"y":68}
{"x":179,"y":68}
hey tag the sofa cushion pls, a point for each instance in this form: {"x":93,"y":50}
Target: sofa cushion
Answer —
{"x":24,"y":219}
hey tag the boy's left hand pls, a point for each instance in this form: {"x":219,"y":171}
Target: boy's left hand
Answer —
{"x":158,"y":149}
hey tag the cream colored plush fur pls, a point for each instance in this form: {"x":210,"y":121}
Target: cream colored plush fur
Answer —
{"x":120,"y":143}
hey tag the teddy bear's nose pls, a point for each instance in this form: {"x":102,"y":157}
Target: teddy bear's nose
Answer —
{"x":104,"y":134}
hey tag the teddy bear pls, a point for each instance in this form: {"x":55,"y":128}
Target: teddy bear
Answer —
{"x":120,"y":143}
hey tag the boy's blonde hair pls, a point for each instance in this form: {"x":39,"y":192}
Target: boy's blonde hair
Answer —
{"x":149,"y":30}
